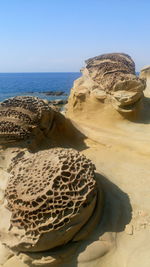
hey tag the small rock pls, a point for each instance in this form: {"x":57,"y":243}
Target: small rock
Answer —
{"x":129,"y":229}
{"x":58,"y":102}
{"x":54,"y":93}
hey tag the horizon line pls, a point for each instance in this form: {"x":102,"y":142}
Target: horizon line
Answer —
{"x":17,"y":72}
{"x":40,"y":72}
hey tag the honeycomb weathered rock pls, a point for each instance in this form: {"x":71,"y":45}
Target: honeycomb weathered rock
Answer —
{"x":20,"y":115}
{"x":51,"y":195}
{"x":108,"y":78}
{"x":107,"y":69}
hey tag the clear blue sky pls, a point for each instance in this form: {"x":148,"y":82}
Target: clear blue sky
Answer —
{"x":58,"y":35}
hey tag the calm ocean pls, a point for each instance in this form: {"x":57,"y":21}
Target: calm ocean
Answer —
{"x":12,"y":84}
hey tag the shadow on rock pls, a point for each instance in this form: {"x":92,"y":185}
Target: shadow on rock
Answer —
{"x":145,"y":113}
{"x":115,"y":216}
{"x":117,"y":207}
{"x":65,"y":134}
{"x":62,"y":133}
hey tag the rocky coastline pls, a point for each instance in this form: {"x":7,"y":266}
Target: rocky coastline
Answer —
{"x":50,"y":93}
{"x":74,"y":186}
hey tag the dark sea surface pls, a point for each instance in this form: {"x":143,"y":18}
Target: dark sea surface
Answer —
{"x":13,"y":84}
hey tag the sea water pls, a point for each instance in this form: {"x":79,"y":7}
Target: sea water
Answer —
{"x":35,"y":84}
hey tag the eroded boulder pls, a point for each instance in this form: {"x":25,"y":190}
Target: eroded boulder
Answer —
{"x":51,"y":195}
{"x":109,"y":79}
{"x":22,"y":115}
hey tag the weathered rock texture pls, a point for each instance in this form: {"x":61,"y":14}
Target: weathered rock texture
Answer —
{"x":21,"y":115}
{"x":145,"y":72}
{"x":107,"y":79}
{"x":51,"y":195}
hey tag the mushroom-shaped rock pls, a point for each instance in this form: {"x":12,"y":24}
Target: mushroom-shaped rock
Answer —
{"x":108,"y":78}
{"x":51,"y":195}
{"x":20,"y":115}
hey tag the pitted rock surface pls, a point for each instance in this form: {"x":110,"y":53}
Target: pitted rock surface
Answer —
{"x":109,"y":78}
{"x":20,"y":115}
{"x":51,"y":195}
{"x":109,"y":68}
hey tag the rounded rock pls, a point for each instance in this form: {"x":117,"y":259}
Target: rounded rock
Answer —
{"x":20,"y":115}
{"x":51,"y":195}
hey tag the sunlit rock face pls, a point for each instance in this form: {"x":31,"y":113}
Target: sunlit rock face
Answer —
{"x":145,"y":72}
{"x":51,"y":195}
{"x":109,"y":79}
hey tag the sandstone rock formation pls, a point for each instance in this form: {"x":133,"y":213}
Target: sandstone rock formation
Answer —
{"x":51,"y":195}
{"x":108,"y":79}
{"x":145,"y":72}
{"x":22,"y":115}
{"x":37,"y":190}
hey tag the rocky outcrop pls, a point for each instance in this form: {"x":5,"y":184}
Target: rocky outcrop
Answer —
{"x":145,"y":72}
{"x":51,"y":200}
{"x":22,"y":115}
{"x":58,"y":104}
{"x":54,"y":93}
{"x":49,"y":93}
{"x":109,"y":79}
{"x":51,"y":196}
